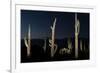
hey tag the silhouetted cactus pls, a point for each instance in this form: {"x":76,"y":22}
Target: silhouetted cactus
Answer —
{"x":44,"y":46}
{"x":77,"y":29}
{"x":69,"y":45}
{"x":28,"y":41}
{"x":52,"y":40}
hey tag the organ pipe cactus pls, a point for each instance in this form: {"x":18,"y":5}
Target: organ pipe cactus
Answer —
{"x":28,"y":42}
{"x":77,"y":30}
{"x":52,"y":44}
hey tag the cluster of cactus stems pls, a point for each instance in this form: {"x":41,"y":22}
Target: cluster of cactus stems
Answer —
{"x":53,"y":46}
{"x":82,"y":45}
{"x":67,"y":50}
{"x":64,"y":51}
{"x":77,"y":30}
{"x":27,"y":42}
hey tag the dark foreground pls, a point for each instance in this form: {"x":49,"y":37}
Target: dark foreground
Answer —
{"x":38,"y":54}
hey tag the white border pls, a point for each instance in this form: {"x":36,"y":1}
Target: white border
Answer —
{"x":16,"y":66}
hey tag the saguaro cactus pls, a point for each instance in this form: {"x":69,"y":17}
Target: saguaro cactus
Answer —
{"x":69,"y":45}
{"x":28,"y":41}
{"x":52,"y":40}
{"x":44,"y":46}
{"x":77,"y":29}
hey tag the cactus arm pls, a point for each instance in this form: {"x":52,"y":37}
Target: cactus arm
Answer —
{"x":55,"y":48}
{"x":25,"y":41}
{"x":51,"y":27}
{"x":78,"y":26}
{"x":50,"y":45}
{"x":54,"y":24}
{"x":50,"y":41}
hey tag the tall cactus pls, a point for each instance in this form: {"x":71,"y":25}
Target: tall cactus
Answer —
{"x":28,"y":42}
{"x":44,"y":46}
{"x":77,"y":29}
{"x":52,"y":40}
{"x":69,"y":45}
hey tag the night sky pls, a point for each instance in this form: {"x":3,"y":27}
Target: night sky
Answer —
{"x":41,"y":21}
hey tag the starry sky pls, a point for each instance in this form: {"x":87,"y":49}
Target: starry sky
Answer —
{"x":41,"y":21}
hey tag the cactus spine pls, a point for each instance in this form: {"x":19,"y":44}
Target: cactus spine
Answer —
{"x":77,"y":29}
{"x":52,"y":40}
{"x":28,"y":42}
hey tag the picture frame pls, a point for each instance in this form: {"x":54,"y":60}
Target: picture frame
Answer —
{"x":17,"y":66}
